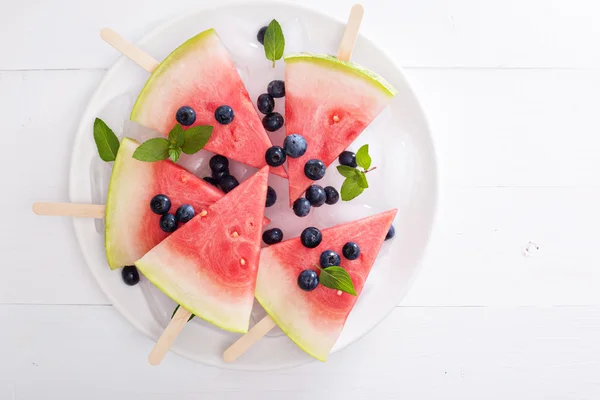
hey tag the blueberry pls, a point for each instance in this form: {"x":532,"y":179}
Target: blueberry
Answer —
{"x":311,"y":237}
{"x":276,"y":88}
{"x":301,"y":207}
{"x":228,"y":183}
{"x":391,"y":233}
{"x":184,"y":213}
{"x":272,"y":121}
{"x":218,"y":163}
{"x":348,"y":158}
{"x":351,"y":251}
{"x":314,"y":169}
{"x":332,"y":195}
{"x":186,"y":116}
{"x":275,"y":156}
{"x":272,"y":236}
{"x":271,"y":197}
{"x":160,"y":204}
{"x":295,"y":145}
{"x":329,"y":258}
{"x":130,"y":275}
{"x":217,"y":176}
{"x":168,"y":223}
{"x":265,"y":103}
{"x":308,"y":280}
{"x":315,"y":194}
{"x":211,"y":180}
{"x":260,"y":36}
{"x":224,"y":115}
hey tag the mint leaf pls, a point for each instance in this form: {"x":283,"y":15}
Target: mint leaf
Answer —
{"x":350,"y":188}
{"x":196,"y":138}
{"x":106,"y":141}
{"x":346,"y":171}
{"x":152,"y":150}
{"x":337,"y":278}
{"x":176,"y":136}
{"x":174,"y":153}
{"x":177,"y":308}
{"x":363,"y":159}
{"x":362,"y":179}
{"x":274,"y":42}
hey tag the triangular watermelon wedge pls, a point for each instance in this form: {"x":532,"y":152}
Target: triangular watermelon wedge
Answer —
{"x":209,"y":265}
{"x":329,"y":102}
{"x":314,"y":320}
{"x":132,"y":229}
{"x":200,"y":74}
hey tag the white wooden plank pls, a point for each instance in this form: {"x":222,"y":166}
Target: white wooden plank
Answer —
{"x":74,"y":352}
{"x":513,"y":128}
{"x":476,"y":252}
{"x":40,"y":255}
{"x":441,"y":33}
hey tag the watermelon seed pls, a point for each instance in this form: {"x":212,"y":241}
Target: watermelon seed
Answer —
{"x":339,"y":292}
{"x":203,"y":213}
{"x":242,"y":261}
{"x":235,"y":234}
{"x":336,"y":119}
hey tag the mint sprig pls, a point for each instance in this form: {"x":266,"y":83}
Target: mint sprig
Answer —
{"x":177,"y":308}
{"x":196,"y":138}
{"x":176,"y":136}
{"x":363,"y":159}
{"x":106,"y":141}
{"x":337,"y":278}
{"x":174,"y":153}
{"x":179,"y":141}
{"x":155,"y":149}
{"x":356,"y":179}
{"x":274,"y":42}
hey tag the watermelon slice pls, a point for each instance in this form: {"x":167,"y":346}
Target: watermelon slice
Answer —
{"x":200,"y":74}
{"x":329,"y":102}
{"x":131,"y":227}
{"x":209,"y":265}
{"x":314,"y":320}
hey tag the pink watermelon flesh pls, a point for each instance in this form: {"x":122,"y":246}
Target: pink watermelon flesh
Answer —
{"x":314,"y":320}
{"x":207,"y":268}
{"x":132,"y":229}
{"x":329,"y":102}
{"x":200,"y":74}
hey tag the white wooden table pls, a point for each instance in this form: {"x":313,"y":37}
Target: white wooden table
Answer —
{"x":512,"y":90}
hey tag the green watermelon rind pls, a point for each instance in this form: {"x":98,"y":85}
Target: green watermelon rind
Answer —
{"x":119,"y":168}
{"x":198,"y":313}
{"x":302,"y":345}
{"x":330,"y":61}
{"x":182,"y":50}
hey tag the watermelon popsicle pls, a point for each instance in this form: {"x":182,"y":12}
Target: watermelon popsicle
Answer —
{"x":200,"y":74}
{"x":314,"y":319}
{"x":330,"y":123}
{"x":132,"y":229}
{"x":209,"y":265}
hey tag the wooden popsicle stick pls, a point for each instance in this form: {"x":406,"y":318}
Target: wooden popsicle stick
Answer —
{"x":249,"y":339}
{"x":266,"y":324}
{"x":129,"y":50}
{"x":351,"y":32}
{"x":166,"y":340}
{"x":69,"y":210}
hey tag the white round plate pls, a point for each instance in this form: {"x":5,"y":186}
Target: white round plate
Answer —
{"x":400,"y":145}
